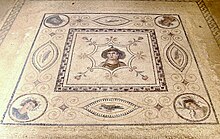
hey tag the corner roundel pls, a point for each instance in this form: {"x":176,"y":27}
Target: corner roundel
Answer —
{"x":56,"y":21}
{"x":167,"y":21}
{"x":192,"y":107}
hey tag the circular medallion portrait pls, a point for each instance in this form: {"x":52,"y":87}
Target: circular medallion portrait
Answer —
{"x":167,"y":21}
{"x":56,"y":21}
{"x":192,"y":107}
{"x":28,"y":107}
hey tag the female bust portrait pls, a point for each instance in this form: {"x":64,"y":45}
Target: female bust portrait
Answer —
{"x":112,"y":56}
{"x":196,"y":110}
{"x":26,"y":106}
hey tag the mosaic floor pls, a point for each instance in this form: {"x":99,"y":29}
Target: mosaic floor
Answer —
{"x":109,"y":68}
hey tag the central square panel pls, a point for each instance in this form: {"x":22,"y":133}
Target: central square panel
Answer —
{"x":105,"y":60}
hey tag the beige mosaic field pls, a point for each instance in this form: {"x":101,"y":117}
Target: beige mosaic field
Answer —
{"x":120,"y":69}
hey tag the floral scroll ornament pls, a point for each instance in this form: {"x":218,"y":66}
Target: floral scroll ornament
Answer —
{"x":80,"y":20}
{"x":143,"y":21}
{"x":113,"y":58}
{"x":62,"y":108}
{"x":138,"y":73}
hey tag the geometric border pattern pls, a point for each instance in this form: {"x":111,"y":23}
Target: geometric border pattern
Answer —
{"x":210,"y":21}
{"x":10,"y":20}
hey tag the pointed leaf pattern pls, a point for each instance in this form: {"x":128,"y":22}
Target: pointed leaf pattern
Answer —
{"x":45,"y":56}
{"x":111,"y":107}
{"x":111,"y":20}
{"x":177,"y":56}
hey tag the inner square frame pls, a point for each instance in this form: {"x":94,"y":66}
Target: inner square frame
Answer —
{"x":62,"y":87}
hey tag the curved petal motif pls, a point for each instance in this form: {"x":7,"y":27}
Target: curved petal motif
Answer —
{"x":111,"y":107}
{"x":111,"y":20}
{"x":177,"y":56}
{"x":45,"y":56}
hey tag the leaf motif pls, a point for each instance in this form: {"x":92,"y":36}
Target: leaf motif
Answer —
{"x":177,"y":56}
{"x":140,"y":71}
{"x":140,"y":38}
{"x":111,"y":20}
{"x":45,"y":56}
{"x":80,"y":72}
{"x":84,"y":38}
{"x":111,"y":107}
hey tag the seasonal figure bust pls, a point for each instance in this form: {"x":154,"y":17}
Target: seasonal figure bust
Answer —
{"x":112,"y":56}
{"x":26,"y":106}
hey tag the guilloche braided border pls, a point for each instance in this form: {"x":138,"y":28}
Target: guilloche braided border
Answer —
{"x":10,"y":20}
